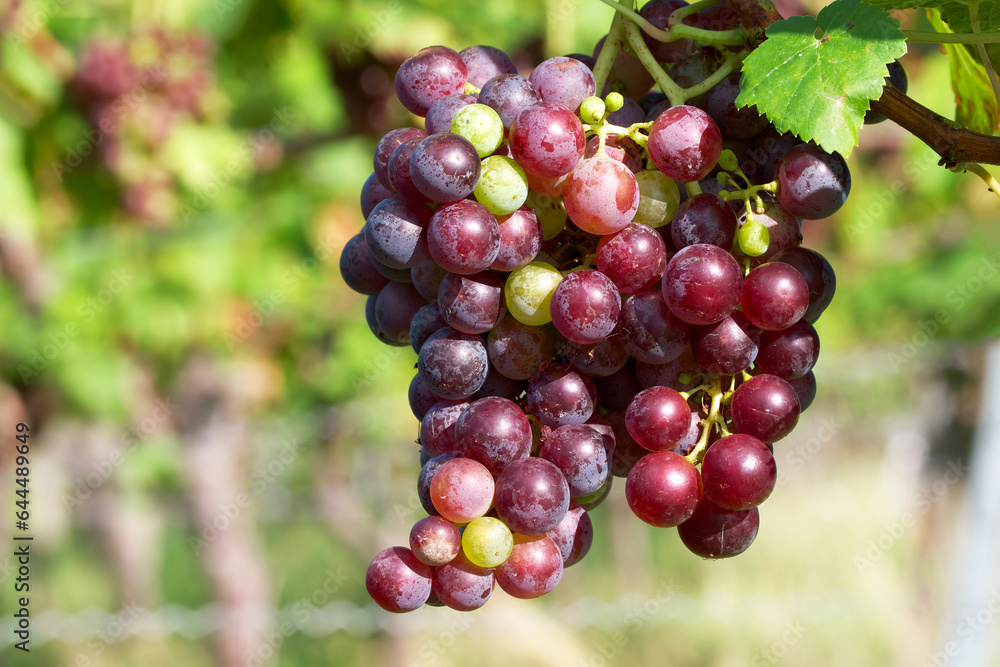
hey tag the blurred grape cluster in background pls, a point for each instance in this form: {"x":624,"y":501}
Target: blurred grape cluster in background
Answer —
{"x":220,"y":445}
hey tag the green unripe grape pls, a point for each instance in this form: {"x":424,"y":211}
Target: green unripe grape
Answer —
{"x":487,"y":542}
{"x":659,"y":198}
{"x":614,"y":102}
{"x":480,"y":125}
{"x":503,"y":187}
{"x":728,"y":161}
{"x":592,"y":110}
{"x":753,"y":237}
{"x":550,"y":212}
{"x":528,"y":292}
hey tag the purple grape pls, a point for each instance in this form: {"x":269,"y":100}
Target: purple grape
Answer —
{"x":547,"y":140}
{"x":397,"y":581}
{"x":658,"y":12}
{"x":462,"y":490}
{"x":601,"y":196}
{"x":563,"y":81}
{"x":767,"y":149}
{"x":713,"y":532}
{"x":395,"y":307}
{"x":395,"y":275}
{"x":650,"y":332}
{"x":585,"y":306}
{"x":472,"y":304}
{"x":421,"y":397}
{"x":702,"y":284}
{"x":437,"y":428}
{"x":669,"y":374}
{"x":663,"y":489}
{"x":357,"y":268}
{"x":534,"y":567}
{"x":384,"y":149}
{"x":657,"y":418}
{"x":518,"y":350}
{"x":765,"y":407}
{"x":789,"y":353}
{"x":508,"y":95}
{"x":627,"y":451}
{"x":520,"y":240}
{"x":486,"y":62}
{"x":445,"y":167}
{"x":453,"y":364}
{"x":617,"y":390}
{"x":578,"y":451}
{"x":427,"y":474}
{"x":812,"y":183}
{"x":435,"y":541}
{"x":634,"y":258}
{"x":463,"y":237}
{"x":573,"y":535}
{"x":427,"y":76}
{"x":500,"y":386}
{"x":441,"y":112}
{"x":601,"y":359}
{"x":395,"y":233}
{"x":494,"y":432}
{"x":425,"y":322}
{"x":462,"y":585}
{"x":775,"y":296}
{"x":736,"y":123}
{"x":805,"y":389}
{"x":532,"y":496}
{"x":399,"y":170}
{"x":426,"y":277}
{"x":372,"y":194}
{"x":685,"y":143}
{"x":703,"y":218}
{"x":819,"y":277}
{"x":738,"y":472}
{"x":630,"y":114}
{"x":559,"y":395}
{"x":726,"y":347}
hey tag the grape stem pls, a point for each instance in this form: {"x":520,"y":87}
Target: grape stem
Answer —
{"x":693,"y":188}
{"x":979,"y":171}
{"x":987,"y":64}
{"x":606,"y":58}
{"x":679,"y":15}
{"x":718,"y":75}
{"x":715,"y":391}
{"x":642,"y":52}
{"x":680,"y":30}
{"x":931,"y":37}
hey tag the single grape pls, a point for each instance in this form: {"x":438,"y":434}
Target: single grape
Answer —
{"x":547,"y":140}
{"x":663,"y":489}
{"x":427,"y":475}
{"x":357,"y":268}
{"x":659,"y":197}
{"x":462,"y":585}
{"x":427,"y":76}
{"x":601,"y":195}
{"x":585,"y":306}
{"x":657,"y":418}
{"x":441,"y":113}
{"x":726,"y":347}
{"x":425,"y":322}
{"x":563,"y":81}
{"x":578,"y":451}
{"x":775,"y":296}
{"x":487,"y":542}
{"x":396,"y":232}
{"x":765,"y":407}
{"x":508,"y":95}
{"x":520,"y":239}
{"x":463,"y":237}
{"x":650,"y":332}
{"x":559,"y":395}
{"x":453,"y":364}
{"x":812,"y":183}
{"x":399,"y":170}
{"x":384,"y":149}
{"x":437,"y":428}
{"x":574,"y":534}
{"x":486,"y":62}
{"x":372,"y":194}
{"x":503,"y":186}
{"x":617,"y":390}
{"x":426,"y":277}
{"x":495,"y":432}
{"x":634,"y":258}
{"x":529,"y":290}
{"x":472,"y":304}
{"x":397,"y":581}
{"x":480,"y":125}
{"x":445,"y":167}
{"x":685,"y":143}
{"x":533,"y":569}
{"x":518,"y":350}
{"x":601,"y":359}
{"x":713,"y":532}
{"x":703,"y":218}
{"x":805,"y":389}
{"x":532,"y":496}
{"x":737,"y":123}
{"x":435,"y":541}
{"x":593,"y":500}
{"x":702,"y":284}
{"x":462,"y":490}
{"x":818,"y":274}
{"x":738,"y":472}
{"x":395,"y":307}
{"x":789,"y":353}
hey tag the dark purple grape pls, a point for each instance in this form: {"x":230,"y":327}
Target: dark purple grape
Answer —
{"x":500,"y":386}
{"x":426,"y":277}
{"x":703,"y":218}
{"x":462,"y":585}
{"x":384,"y":149}
{"x":789,"y":353}
{"x":634,"y":258}
{"x":435,"y":541}
{"x":357,"y":268}
{"x":563,"y":81}
{"x":651,"y":99}
{"x":622,"y":149}
{"x":559,"y":395}
{"x":775,"y":296}
{"x":395,"y":307}
{"x":663,"y":489}
{"x":627,"y":451}
{"x":738,"y":472}
{"x":372,"y":194}
{"x":720,"y":104}
{"x":421,"y":397}
{"x":445,"y":167}
{"x":453,"y":364}
{"x":897,"y":77}
{"x":628,"y":75}
{"x":630,"y":114}
{"x":658,"y":12}
{"x":601,"y":195}
{"x":463,"y":237}
{"x":657,"y":418}
{"x":518,"y":350}
{"x":426,"y":475}
{"x":765,"y":407}
{"x":534,"y":567}
{"x":784,"y":230}
{"x":702,"y":284}
{"x":427,"y":76}
{"x":693,"y":70}
{"x":395,"y":275}
{"x":437,"y":428}
{"x":805,"y":389}
{"x":573,"y":535}
{"x":399,"y":170}
{"x":713,"y":532}
{"x":486,"y":62}
{"x":585,"y":306}
{"x":726,"y":347}
{"x":767,"y":148}
{"x":685,"y":143}
{"x":532,"y":496}
{"x":601,"y":359}
{"x":671,"y":373}
{"x":547,"y":140}
{"x":441,"y":112}
{"x":617,"y":390}
{"x":650,"y":331}
{"x":396,"y":232}
{"x":425,"y":322}
{"x":578,"y":451}
{"x":508,"y":95}
{"x":472,"y":304}
{"x":812,"y":183}
{"x":520,"y":240}
{"x":589,"y":61}
{"x":397,"y":581}
{"x":819,"y":277}
{"x":495,"y":432}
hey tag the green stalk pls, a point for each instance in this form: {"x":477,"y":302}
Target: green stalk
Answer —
{"x":718,"y":75}
{"x":734,"y":37}
{"x":931,"y":37}
{"x":679,"y":15}
{"x":639,"y":48}
{"x":606,"y":58}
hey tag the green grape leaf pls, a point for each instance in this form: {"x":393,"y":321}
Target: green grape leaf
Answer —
{"x":956,"y":15}
{"x":975,"y":102}
{"x":814,"y":77}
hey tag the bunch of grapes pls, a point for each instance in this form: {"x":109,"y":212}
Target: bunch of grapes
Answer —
{"x":135,"y":92}
{"x":579,"y":316}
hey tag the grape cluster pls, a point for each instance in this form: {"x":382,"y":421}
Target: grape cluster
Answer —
{"x":579,"y":316}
